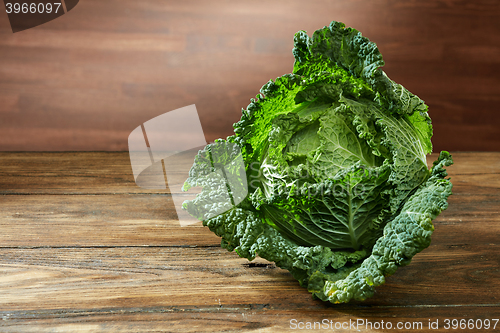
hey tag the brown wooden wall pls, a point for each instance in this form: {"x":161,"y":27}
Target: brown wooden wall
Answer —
{"x":85,"y":80}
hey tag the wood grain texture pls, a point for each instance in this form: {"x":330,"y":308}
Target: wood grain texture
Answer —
{"x":85,"y":80}
{"x":83,"y":249}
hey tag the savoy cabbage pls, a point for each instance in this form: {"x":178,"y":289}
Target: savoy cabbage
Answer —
{"x":337,"y":189}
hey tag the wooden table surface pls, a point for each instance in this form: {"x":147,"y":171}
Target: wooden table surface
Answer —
{"x":83,"y":249}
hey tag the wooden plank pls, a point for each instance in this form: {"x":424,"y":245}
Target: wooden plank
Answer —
{"x":76,"y":173}
{"x":110,"y":172}
{"x":67,"y":173}
{"x":241,"y":319}
{"x":162,"y":276}
{"x":149,"y":220}
{"x":96,"y":220}
{"x":244,"y":320}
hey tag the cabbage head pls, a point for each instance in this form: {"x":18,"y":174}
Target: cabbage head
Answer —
{"x":336,"y":187}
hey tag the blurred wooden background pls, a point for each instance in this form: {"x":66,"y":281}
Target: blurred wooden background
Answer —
{"x":86,"y":80}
